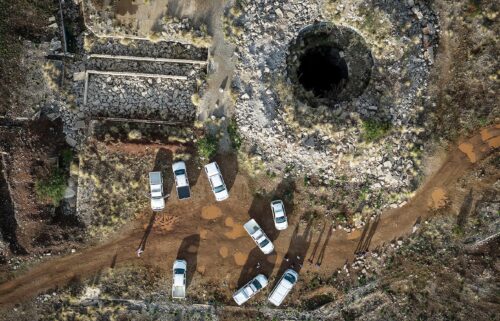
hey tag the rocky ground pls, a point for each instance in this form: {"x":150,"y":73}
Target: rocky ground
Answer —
{"x":328,"y":141}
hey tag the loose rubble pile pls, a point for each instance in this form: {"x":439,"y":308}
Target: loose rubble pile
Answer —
{"x":142,"y":98}
{"x":329,"y":142}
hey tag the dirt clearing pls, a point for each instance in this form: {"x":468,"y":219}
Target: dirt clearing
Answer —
{"x":214,"y":256}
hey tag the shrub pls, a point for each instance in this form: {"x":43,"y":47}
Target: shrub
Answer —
{"x":234,"y":136}
{"x":374,"y":129}
{"x":66,"y":157}
{"x":207,"y":146}
{"x":52,"y":188}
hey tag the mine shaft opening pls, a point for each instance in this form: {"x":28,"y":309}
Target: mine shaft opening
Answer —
{"x":323,"y":70}
{"x":328,"y":65}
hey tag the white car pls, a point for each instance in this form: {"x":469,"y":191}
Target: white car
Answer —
{"x":259,"y":237}
{"x":216,"y":181}
{"x":156,"y":187}
{"x":181,"y":180}
{"x":179,"y":279}
{"x":279,"y":215}
{"x":284,"y":286}
{"x":250,"y":289}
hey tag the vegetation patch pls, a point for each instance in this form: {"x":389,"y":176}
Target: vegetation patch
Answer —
{"x":207,"y":146}
{"x":374,"y":130}
{"x":52,"y":188}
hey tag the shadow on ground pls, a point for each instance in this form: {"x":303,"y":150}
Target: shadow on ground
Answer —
{"x":257,"y":263}
{"x":228,"y":164}
{"x":188,"y":251}
{"x":260,"y":210}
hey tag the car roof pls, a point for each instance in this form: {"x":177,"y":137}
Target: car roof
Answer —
{"x":178,"y":165}
{"x":155,"y":178}
{"x":211,"y":169}
{"x":216,"y":180}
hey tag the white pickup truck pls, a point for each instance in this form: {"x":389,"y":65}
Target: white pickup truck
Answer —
{"x":179,"y":279}
{"x":216,"y":182}
{"x":181,"y":180}
{"x":156,"y":187}
{"x":250,"y":289}
{"x":258,"y":235}
{"x":284,"y":286}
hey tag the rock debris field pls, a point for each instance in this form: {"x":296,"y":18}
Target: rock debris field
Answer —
{"x":328,"y":140}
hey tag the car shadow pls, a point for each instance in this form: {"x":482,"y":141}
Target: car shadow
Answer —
{"x":297,"y":250}
{"x":256,"y":263}
{"x":193,"y":167}
{"x":228,"y":164}
{"x":188,"y":250}
{"x":163,"y":163}
{"x":260,"y":209}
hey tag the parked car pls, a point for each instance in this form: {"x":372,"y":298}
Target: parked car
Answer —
{"x":179,"y":279}
{"x":181,"y":180}
{"x":259,"y":237}
{"x":279,"y":215}
{"x":216,"y":181}
{"x":250,"y":289}
{"x":156,"y":187}
{"x":284,"y":286}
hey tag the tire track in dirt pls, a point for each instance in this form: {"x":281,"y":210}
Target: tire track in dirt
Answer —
{"x":161,"y":248}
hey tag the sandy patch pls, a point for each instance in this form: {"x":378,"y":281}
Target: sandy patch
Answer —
{"x":468,"y":149}
{"x":354,"y":235}
{"x":494,"y":142}
{"x":438,"y":198}
{"x":211,"y":212}
{"x":240,"y":258}
{"x":203,"y":234}
{"x":224,"y":252}
{"x":237,"y":230}
{"x":486,"y":134}
{"x":201,"y":269}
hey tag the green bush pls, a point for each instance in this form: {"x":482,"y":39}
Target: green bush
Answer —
{"x":207,"y":146}
{"x":234,"y":136}
{"x":66,"y":157}
{"x":52,"y":188}
{"x":374,"y":129}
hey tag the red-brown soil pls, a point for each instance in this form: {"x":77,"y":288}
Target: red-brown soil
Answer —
{"x":216,"y":254}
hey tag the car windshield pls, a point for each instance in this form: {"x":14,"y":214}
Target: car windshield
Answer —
{"x":281,"y":219}
{"x":290,"y":278}
{"x":264,"y":243}
{"x":179,"y":172}
{"x":256,"y":284}
{"x":219,"y":188}
{"x":178,"y":271}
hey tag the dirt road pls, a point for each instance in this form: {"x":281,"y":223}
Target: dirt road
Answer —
{"x":210,"y":237}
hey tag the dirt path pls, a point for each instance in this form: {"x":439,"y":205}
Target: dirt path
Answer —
{"x":208,"y":234}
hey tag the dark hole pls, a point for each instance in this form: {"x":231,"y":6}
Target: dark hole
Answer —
{"x":323,"y":71}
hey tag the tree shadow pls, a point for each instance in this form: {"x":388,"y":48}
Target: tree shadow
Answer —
{"x":188,"y":250}
{"x":297,"y":250}
{"x":260,"y":210}
{"x":142,"y":245}
{"x":321,"y":256}
{"x":228,"y":164}
{"x":257,"y":263}
{"x":163,"y":163}
{"x":367,"y":235}
{"x":316,"y":245}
